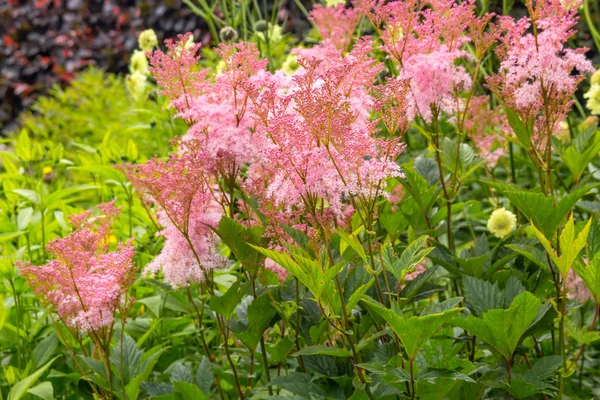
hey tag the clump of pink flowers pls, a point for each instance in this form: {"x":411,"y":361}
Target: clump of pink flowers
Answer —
{"x":86,"y":282}
{"x":181,"y":189}
{"x":538,"y":73}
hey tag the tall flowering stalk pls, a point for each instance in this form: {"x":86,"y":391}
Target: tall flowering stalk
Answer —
{"x":86,"y":283}
{"x":538,"y":75}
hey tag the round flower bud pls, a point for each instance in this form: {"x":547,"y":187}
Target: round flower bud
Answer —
{"x":136,"y":83}
{"x":228,"y":34}
{"x":138,"y":63}
{"x":147,"y":40}
{"x":502,"y":222}
{"x":260,"y":26}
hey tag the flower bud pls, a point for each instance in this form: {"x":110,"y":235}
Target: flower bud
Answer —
{"x":138,"y":63}
{"x":147,"y":40}
{"x":260,"y":26}
{"x":228,"y":34}
{"x":502,"y":222}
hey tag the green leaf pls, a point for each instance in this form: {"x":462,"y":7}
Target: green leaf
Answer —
{"x":300,"y":384}
{"x":225,"y":304}
{"x":44,"y":390}
{"x":60,"y":194}
{"x":44,"y":350}
{"x":570,"y":245}
{"x":126,"y":357}
{"x":260,"y":312}
{"x":350,"y":240}
{"x":323,"y":350}
{"x":590,"y":275}
{"x":523,"y":130}
{"x":20,"y":388}
{"x":240,"y":239}
{"x":189,"y":391}
{"x":581,"y":335}
{"x":30,"y":195}
{"x":415,"y":331}
{"x":503,"y":329}
{"x":279,"y":351}
{"x":204,"y":376}
{"x":143,"y":371}
{"x":584,"y":148}
{"x":390,"y":375}
{"x":482,"y":295}
{"x":531,"y":253}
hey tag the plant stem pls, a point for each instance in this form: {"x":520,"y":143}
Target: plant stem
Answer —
{"x":297,"y":330}
{"x":412,"y":378}
{"x":224,"y":328}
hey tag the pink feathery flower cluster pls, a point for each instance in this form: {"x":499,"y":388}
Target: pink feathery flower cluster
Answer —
{"x":85,"y":282}
{"x":335,"y":24}
{"x":181,"y":188}
{"x":425,"y":38}
{"x":176,"y":71}
{"x":324,"y":145}
{"x":538,"y":74}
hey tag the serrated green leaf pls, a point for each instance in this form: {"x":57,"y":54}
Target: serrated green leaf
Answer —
{"x":415,"y":331}
{"x":503,"y":329}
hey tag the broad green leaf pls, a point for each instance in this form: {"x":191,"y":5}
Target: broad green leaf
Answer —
{"x":143,"y":371}
{"x":531,"y":253}
{"x":442,"y":306}
{"x":61,"y":194}
{"x":358,"y":293}
{"x":410,"y":257}
{"x":44,"y":390}
{"x":189,"y":391}
{"x":415,"y":331}
{"x":126,"y":357}
{"x":590,"y":274}
{"x":9,"y":236}
{"x":225,"y":304}
{"x":259,"y":314}
{"x":44,"y":350}
{"x":390,"y":375}
{"x":281,"y":350}
{"x":570,"y":245}
{"x":503,"y":329}
{"x":323,"y":350}
{"x":300,"y":384}
{"x":584,"y":149}
{"x":581,"y":335}
{"x":30,"y":195}
{"x":20,"y":388}
{"x":204,"y":376}
{"x":538,"y":208}
{"x":414,"y":253}
{"x":482,"y":295}
{"x":308,"y":271}
{"x":240,"y":240}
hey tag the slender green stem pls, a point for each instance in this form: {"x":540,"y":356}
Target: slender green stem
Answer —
{"x":297,"y":330}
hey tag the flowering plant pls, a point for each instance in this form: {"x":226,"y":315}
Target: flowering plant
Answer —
{"x":403,"y":214}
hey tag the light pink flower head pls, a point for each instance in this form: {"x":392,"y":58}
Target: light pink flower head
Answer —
{"x":85,"y":281}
